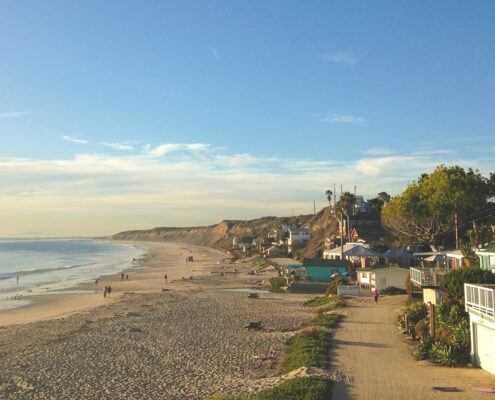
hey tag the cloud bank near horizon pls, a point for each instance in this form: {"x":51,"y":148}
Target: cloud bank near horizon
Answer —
{"x":190,"y":184}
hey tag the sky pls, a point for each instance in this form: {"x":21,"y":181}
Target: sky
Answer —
{"x":119,"y":115}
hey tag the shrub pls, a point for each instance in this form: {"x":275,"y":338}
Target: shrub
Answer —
{"x":326,"y":320}
{"x":277,"y":282}
{"x":421,"y":328}
{"x":308,"y":388}
{"x":443,"y":335}
{"x":453,"y":282}
{"x":320,"y":301}
{"x":308,"y":348}
{"x":423,"y":351}
{"x":415,"y":312}
{"x":393,"y":290}
{"x":442,"y":353}
{"x":408,"y":286}
{"x":332,"y":288}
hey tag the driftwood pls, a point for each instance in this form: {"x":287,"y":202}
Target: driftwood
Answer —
{"x":256,"y":325}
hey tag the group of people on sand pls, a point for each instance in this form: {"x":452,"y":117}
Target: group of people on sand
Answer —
{"x":107,"y":290}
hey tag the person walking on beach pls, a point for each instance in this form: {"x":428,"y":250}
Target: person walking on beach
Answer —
{"x":105,"y":292}
{"x":122,"y":276}
{"x":375,"y":296}
{"x":109,"y":290}
{"x":165,"y":278}
{"x":17,"y":279}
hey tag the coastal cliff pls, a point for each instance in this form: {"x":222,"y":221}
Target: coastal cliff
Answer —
{"x":220,"y":235}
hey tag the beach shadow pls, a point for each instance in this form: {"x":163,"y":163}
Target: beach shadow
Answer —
{"x":363,"y":344}
{"x":365,"y":322}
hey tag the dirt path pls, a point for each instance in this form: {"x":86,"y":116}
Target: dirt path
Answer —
{"x":371,"y":360}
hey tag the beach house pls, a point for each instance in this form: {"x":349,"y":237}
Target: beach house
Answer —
{"x":487,"y":258}
{"x":480,"y":304}
{"x":321,"y":270}
{"x":382,"y":277}
{"x":428,"y":279}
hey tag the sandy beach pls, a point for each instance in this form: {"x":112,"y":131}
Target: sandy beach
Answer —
{"x":180,"y":339}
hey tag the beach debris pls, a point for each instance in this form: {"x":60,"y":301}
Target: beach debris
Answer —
{"x":253,"y":296}
{"x":133,"y":314}
{"x":138,"y":330}
{"x":446,"y":388}
{"x":256,"y":325}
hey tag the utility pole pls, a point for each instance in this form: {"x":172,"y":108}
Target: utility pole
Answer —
{"x":456,"y":232}
{"x":334,"y":195}
{"x":341,"y":190}
{"x":314,"y":207}
{"x":341,"y":235}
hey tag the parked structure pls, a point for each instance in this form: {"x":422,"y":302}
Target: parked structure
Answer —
{"x":480,"y":304}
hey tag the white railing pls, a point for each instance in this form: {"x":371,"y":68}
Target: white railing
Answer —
{"x":415,"y":275}
{"x":479,"y":298}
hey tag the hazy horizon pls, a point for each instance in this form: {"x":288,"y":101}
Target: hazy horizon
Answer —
{"x":117,"y":116}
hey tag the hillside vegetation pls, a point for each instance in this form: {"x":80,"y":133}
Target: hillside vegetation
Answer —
{"x":220,"y":236}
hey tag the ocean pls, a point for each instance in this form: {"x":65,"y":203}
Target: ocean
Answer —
{"x":49,"y":266}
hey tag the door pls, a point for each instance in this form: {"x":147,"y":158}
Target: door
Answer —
{"x":485,"y":353}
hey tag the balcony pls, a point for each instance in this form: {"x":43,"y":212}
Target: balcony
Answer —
{"x":480,"y":298}
{"x":427,"y":277}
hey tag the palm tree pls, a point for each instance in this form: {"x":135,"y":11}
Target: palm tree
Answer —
{"x":329,"y":194}
{"x":345,"y":205}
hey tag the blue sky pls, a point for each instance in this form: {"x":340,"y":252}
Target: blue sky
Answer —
{"x":117,"y":115}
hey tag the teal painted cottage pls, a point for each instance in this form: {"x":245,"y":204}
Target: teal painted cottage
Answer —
{"x":321,"y":270}
{"x":487,"y":258}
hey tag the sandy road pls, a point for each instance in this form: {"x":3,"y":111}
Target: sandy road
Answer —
{"x":371,"y":360}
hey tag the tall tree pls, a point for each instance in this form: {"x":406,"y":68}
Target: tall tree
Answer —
{"x":345,"y":206}
{"x":384,"y":196}
{"x":437,"y":203}
{"x":376,"y":204}
{"x":329,"y":194}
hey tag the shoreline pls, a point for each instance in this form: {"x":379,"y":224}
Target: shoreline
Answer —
{"x":145,"y":277}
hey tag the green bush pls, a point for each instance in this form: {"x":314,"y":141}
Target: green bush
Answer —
{"x":443,"y":354}
{"x":421,"y":328}
{"x":326,"y":320}
{"x":453,"y":282}
{"x":415,"y":312}
{"x":423,"y":351}
{"x":308,"y":348}
{"x":310,"y":388}
{"x":278,"y":281}
{"x":320,"y":301}
{"x":307,"y":388}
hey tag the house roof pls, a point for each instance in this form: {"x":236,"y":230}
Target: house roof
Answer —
{"x":397,"y":253}
{"x":300,"y":230}
{"x":321,"y":262}
{"x":488,"y":250}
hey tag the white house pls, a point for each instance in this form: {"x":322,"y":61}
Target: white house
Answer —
{"x":480,"y":304}
{"x":382,"y":278}
{"x":300,"y":235}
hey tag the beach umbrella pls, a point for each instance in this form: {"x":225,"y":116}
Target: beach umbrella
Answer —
{"x":436,"y":258}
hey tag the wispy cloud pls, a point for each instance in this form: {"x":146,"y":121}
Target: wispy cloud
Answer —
{"x":214,"y":52}
{"x":74,"y":140}
{"x":165,"y":148}
{"x":335,"y":118}
{"x":134,"y":190}
{"x":434,"y":152}
{"x":118,"y":146}
{"x":377,"y":151}
{"x":342,"y":57}
{"x":13,"y":114}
